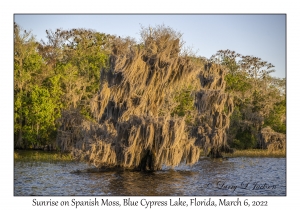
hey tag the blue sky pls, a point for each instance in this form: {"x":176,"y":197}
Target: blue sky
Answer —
{"x":262,"y":36}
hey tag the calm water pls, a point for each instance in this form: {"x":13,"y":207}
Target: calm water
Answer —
{"x":235,"y":176}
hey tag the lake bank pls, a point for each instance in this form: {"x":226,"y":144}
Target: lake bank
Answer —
{"x":48,"y":156}
{"x":39,"y":155}
{"x":257,"y":153}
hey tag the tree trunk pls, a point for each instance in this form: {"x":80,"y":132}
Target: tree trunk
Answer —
{"x":148,"y":162}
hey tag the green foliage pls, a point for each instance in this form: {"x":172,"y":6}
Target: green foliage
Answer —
{"x":231,"y":64}
{"x":185,"y":102}
{"x":244,"y":140}
{"x":28,"y":66}
{"x":39,"y":112}
{"x":257,"y":97}
{"x":49,"y":77}
{"x":89,"y":59}
{"x":235,"y":119}
{"x":276,"y":119}
{"x":258,"y":101}
{"x":237,"y":83}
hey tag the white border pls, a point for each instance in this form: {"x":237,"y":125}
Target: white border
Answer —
{"x":8,"y":201}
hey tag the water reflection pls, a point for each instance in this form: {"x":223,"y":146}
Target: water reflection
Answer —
{"x":236,"y":176}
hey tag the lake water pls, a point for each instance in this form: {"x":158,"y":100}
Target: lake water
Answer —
{"x":234,"y":177}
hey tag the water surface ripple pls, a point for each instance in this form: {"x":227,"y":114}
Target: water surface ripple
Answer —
{"x":235,"y":176}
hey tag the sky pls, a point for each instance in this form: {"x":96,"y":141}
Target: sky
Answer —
{"x":263,"y":36}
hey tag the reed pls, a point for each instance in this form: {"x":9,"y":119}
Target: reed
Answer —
{"x":256,"y":153}
{"x":43,"y":156}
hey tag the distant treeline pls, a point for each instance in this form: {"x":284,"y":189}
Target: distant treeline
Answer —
{"x":63,"y":73}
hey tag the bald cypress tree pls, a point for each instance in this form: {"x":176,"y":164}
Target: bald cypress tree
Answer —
{"x":135,"y":125}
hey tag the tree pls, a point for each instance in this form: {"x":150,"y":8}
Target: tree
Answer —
{"x":40,"y":116}
{"x":255,"y":94}
{"x":78,"y":55}
{"x":37,"y":93}
{"x":227,"y":58}
{"x":256,"y":68}
{"x":277,"y":117}
{"x":141,"y":109}
{"x":27,"y":67}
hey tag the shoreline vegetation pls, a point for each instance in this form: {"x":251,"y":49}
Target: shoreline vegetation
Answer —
{"x":256,"y":153}
{"x":55,"y":156}
{"x":43,"y":156}
{"x":115,"y":102}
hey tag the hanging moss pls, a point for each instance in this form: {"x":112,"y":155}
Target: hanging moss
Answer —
{"x":133,"y":109}
{"x":271,"y":140}
{"x":214,"y":110}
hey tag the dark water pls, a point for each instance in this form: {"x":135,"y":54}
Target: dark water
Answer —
{"x":235,"y":176}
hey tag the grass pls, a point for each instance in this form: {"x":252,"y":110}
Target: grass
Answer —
{"x":37,"y":155}
{"x":256,"y":153}
{"x":43,"y":156}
